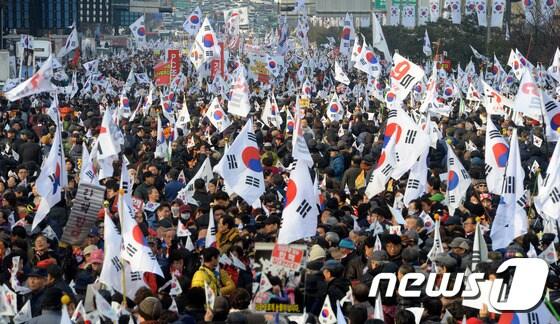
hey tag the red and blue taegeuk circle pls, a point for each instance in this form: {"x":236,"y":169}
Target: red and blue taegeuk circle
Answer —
{"x":138,"y":236}
{"x":208,"y":40}
{"x":125,"y":102}
{"x":346,"y":31}
{"x":392,"y":128}
{"x":391,"y":96}
{"x":141,"y":31}
{"x":371,"y":58}
{"x":334,"y":107}
{"x":252,"y":159}
{"x":555,"y":122}
{"x":194,"y":19}
{"x":501,"y":154}
{"x":291,"y":192}
{"x":452,"y":180}
{"x":218,"y":115}
{"x":448,"y":91}
{"x":272,"y":64}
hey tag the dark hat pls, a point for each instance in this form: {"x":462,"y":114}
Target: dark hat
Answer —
{"x":93,"y":232}
{"x":334,"y":267}
{"x":453,"y":221}
{"x":150,"y":308}
{"x":445,"y":260}
{"x":51,"y":298}
{"x":38,"y":272}
{"x":165,"y":223}
{"x":379,"y":256}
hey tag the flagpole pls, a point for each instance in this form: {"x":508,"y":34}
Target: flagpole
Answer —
{"x":123,"y":273}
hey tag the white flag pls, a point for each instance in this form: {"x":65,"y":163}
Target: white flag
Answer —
{"x":418,"y":178}
{"x":335,"y":111}
{"x":106,"y":146}
{"x":211,"y":230}
{"x":300,"y":151}
{"x":72,"y":43}
{"x":239,"y":103}
{"x":136,"y":249}
{"x":327,"y":315}
{"x":554,"y":69}
{"x":193,"y":22}
{"x":161,"y":143}
{"x":103,"y":307}
{"x":427,"y":47}
{"x":437,"y":246}
{"x":480,"y":249}
{"x":217,"y":116}
{"x":496,"y":157}
{"x":112,"y":271}
{"x":39,"y":82}
{"x":384,"y":169}
{"x":204,"y":172}
{"x":340,"y":75}
{"x":529,"y":100}
{"x":549,"y":254}
{"x":368,"y":62}
{"x":300,"y":211}
{"x":207,"y":41}
{"x":458,"y":180}
{"x":339,"y":315}
{"x":52,"y":179}
{"x":79,"y":313}
{"x":271,"y":114}
{"x":210,"y":296}
{"x":378,"y":309}
{"x":514,"y":61}
{"x":24,"y":313}
{"x":138,"y":30}
{"x":547,"y":202}
{"x":498,"y":9}
{"x":347,"y":36}
{"x":241,"y":165}
{"x":378,"y":39}
{"x":404,"y":76}
{"x":511,"y":219}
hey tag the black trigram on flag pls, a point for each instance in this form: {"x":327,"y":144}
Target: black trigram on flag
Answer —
{"x":392,"y":114}
{"x":397,"y":157}
{"x":487,"y":169}
{"x":555,"y":195}
{"x":213,"y":230}
{"x":410,"y":136}
{"x":533,"y":318}
{"x":387,"y":170}
{"x":413,"y":184}
{"x":363,"y":61}
{"x":131,"y":250}
{"x":208,"y":53}
{"x":549,"y":106}
{"x":135,"y":276}
{"x":116,"y":263}
{"x":231,"y":161}
{"x":206,"y":28}
{"x":252,"y":137}
{"x":124,"y":186}
{"x":303,"y":208}
{"x":465,"y":174}
{"x":451,"y":199}
{"x":508,"y":186}
{"x":406,"y":80}
{"x":252,"y":181}
{"x":451,"y":161}
{"x":494,"y":134}
{"x":545,"y":180}
{"x":522,"y":201}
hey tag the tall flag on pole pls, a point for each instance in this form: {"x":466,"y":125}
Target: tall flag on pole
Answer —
{"x":135,"y":246}
{"x":210,"y":239}
{"x":239,"y":103}
{"x":71,"y":44}
{"x":458,"y":180}
{"x":217,"y":116}
{"x":346,"y":36}
{"x":52,"y":179}
{"x":193,"y":22}
{"x":138,"y":29}
{"x":480,"y":249}
{"x":385,"y":166}
{"x":299,"y":217}
{"x":427,"y":47}
{"x":378,"y":39}
{"x":340,"y":75}
{"x":241,"y":165}
{"x":39,"y":82}
{"x":511,"y":219}
{"x":404,"y":76}
{"x":547,"y":202}
{"x":496,"y":157}
{"x":207,"y":41}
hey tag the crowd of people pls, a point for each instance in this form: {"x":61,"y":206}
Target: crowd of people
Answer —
{"x":356,"y":238}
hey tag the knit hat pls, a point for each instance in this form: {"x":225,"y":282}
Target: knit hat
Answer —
{"x":346,"y":244}
{"x":317,"y":252}
{"x":150,"y":308}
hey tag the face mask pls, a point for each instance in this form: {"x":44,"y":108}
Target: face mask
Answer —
{"x":185,"y":215}
{"x":175,"y":212}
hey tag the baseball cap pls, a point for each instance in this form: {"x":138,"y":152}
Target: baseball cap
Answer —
{"x":150,"y":308}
